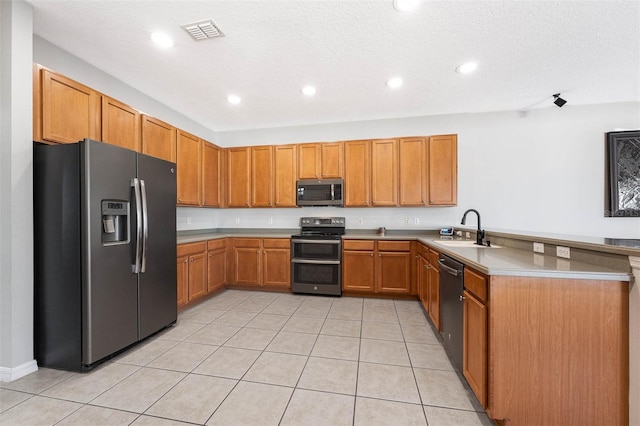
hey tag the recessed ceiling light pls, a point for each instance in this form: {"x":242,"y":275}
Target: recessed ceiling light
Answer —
{"x":234,"y":99}
{"x":467,"y":67}
{"x":405,"y":5}
{"x":162,"y":39}
{"x":309,"y":90}
{"x":394,"y":82}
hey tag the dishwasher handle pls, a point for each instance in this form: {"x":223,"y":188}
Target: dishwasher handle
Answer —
{"x":449,"y":269}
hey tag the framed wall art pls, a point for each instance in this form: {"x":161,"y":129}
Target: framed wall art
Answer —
{"x":623,"y":174}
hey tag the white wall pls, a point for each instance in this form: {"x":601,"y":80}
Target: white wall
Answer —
{"x":542,"y":171}
{"x":16,"y":192}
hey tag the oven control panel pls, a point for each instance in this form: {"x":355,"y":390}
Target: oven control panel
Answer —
{"x":322,"y":221}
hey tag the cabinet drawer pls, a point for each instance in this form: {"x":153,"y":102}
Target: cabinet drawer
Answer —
{"x":394,"y":245}
{"x":276,"y":243}
{"x":476,"y":283}
{"x":365,"y":245}
{"x":217,"y":244}
{"x":191,"y":248}
{"x":246,"y":242}
{"x":433,"y":257}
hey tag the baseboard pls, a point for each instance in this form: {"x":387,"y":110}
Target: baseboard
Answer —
{"x":10,"y":374}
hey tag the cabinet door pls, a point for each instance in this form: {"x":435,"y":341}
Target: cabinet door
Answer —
{"x":247,"y":265}
{"x":70,"y":110}
{"x":183,"y":280}
{"x":393,"y":272}
{"x":238,"y":177}
{"x":332,"y":160}
{"x":434,"y":295}
{"x":357,"y":175}
{"x":216,"y":269}
{"x":384,"y":172}
{"x":285,"y":176}
{"x":211,"y":173}
{"x":189,"y":164}
{"x":262,"y":176}
{"x":120,"y":124}
{"x":358,"y":271}
{"x":309,"y":158}
{"x":277,"y":267}
{"x":197,"y":276}
{"x":475,"y":346}
{"x":158,"y":138}
{"x":443,"y":170}
{"x":412,"y":171}
{"x":423,"y":282}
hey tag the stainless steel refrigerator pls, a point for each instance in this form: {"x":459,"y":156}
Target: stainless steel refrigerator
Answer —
{"x":105,"y":251}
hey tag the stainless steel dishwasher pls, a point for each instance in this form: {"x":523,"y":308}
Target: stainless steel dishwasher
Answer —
{"x":451,"y":308}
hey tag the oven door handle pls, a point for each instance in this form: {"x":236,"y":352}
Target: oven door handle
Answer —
{"x":316,"y":262}
{"x":295,"y":241}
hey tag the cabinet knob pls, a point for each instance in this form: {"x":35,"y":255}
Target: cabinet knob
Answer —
{"x":371,"y":254}
{"x":258,"y":251}
{"x":379,"y":255}
{"x":210,"y":254}
{"x":186,"y":260}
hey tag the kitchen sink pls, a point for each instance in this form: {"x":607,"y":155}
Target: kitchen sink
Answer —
{"x":462,"y":244}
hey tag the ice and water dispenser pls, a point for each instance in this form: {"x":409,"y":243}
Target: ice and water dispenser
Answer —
{"x":115,"y":222}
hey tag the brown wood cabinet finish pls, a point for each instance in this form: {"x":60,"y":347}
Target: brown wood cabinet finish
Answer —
{"x":120,"y":124}
{"x":357,"y":173}
{"x":443,"y":170}
{"x":70,"y":110}
{"x":434,"y":289}
{"x":332,"y":160}
{"x":384,"y":172}
{"x":216,"y":264}
{"x":376,"y":266}
{"x":309,"y":161}
{"x":474,"y":358}
{"x":276,"y":261}
{"x":211,"y":175}
{"x":158,"y":138}
{"x":189,"y":164}
{"x":558,"y":351}
{"x":261,"y":262}
{"x":182,"y":280}
{"x":192,"y":272}
{"x":262,"y":176}
{"x":285,"y":169}
{"x":412,"y":155}
{"x":358,"y":271}
{"x":238,"y":177}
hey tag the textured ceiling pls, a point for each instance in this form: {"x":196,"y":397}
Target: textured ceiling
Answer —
{"x":526,"y":50}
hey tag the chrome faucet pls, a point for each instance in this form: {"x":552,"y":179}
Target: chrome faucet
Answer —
{"x":479,"y":232}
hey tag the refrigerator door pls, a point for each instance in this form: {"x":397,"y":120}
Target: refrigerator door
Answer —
{"x":109,"y":288}
{"x":157,"y":303}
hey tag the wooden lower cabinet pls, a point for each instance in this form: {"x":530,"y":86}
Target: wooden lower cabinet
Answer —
{"x":422,"y":276}
{"x":376,"y":266}
{"x":261,"y":262}
{"x":216,"y":264}
{"x":475,"y":314}
{"x":434,"y":288}
{"x":192,"y":272}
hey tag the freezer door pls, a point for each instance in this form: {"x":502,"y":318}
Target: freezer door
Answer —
{"x":109,"y":288}
{"x":157,"y":282}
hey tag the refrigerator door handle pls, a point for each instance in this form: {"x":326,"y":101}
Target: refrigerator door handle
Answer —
{"x":145,"y":226}
{"x":135,"y":184}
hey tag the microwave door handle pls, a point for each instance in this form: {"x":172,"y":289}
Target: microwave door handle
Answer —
{"x":333,"y":195}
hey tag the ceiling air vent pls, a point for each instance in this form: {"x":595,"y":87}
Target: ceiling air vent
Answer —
{"x":203,"y":30}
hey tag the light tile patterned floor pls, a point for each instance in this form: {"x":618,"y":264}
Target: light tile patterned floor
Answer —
{"x":258,"y":358}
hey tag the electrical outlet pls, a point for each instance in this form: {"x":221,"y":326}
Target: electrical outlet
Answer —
{"x":416,"y":221}
{"x":538,"y":247}
{"x":406,"y":220}
{"x":188,"y":220}
{"x":563,"y":252}
{"x":360,"y":220}
{"x":237,"y":221}
{"x":459,"y":233}
{"x":467,"y":235}
{"x":270,"y":221}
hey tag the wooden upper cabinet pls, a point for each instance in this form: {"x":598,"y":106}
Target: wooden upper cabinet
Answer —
{"x":189,"y":164}
{"x":332,"y":160}
{"x":357,"y":173}
{"x":384,"y":172}
{"x":443,"y":170}
{"x":70,"y":110}
{"x":158,"y":138}
{"x":238,"y":177}
{"x":284,"y":187}
{"x":262,"y":176}
{"x":309,"y":161}
{"x":120,"y":124}
{"x":211,"y":174}
{"x":412,"y":157}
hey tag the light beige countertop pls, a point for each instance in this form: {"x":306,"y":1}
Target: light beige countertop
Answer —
{"x":502,"y":260}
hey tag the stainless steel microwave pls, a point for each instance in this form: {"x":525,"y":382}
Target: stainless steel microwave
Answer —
{"x":320,"y":192}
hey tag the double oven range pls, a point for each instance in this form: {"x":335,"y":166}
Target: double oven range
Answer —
{"x":316,"y":256}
